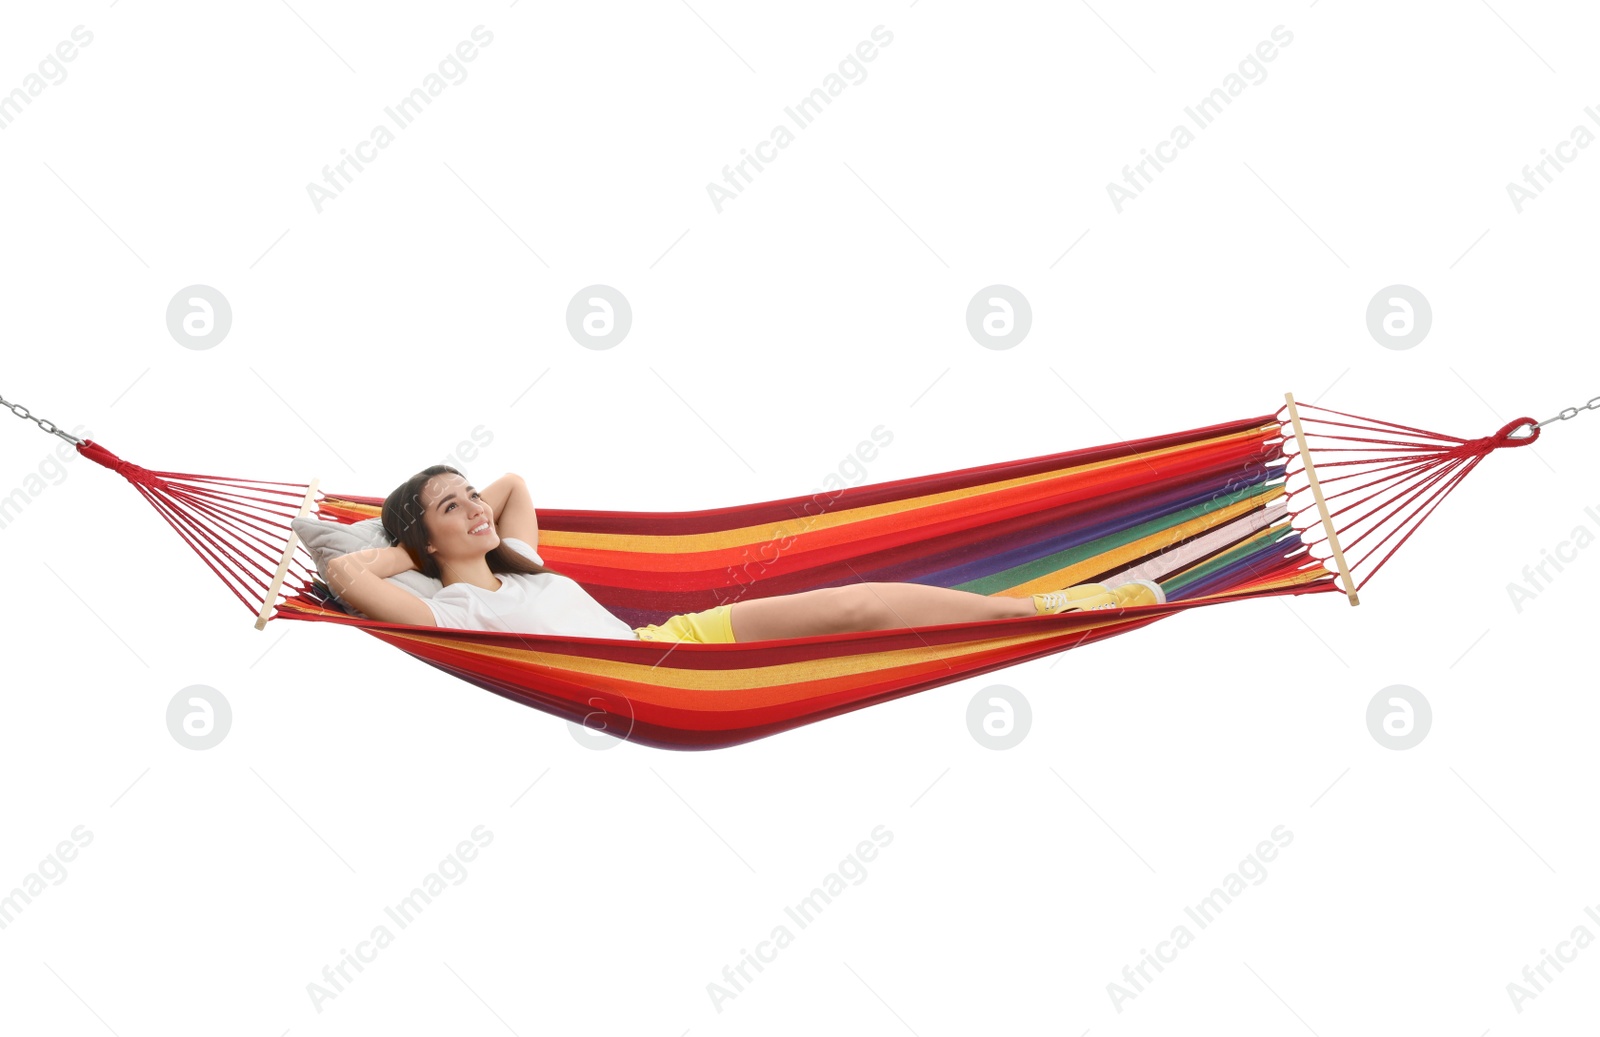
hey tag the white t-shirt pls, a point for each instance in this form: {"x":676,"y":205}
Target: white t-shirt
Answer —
{"x":539,"y":603}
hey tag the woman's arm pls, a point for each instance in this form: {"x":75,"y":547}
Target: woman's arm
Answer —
{"x":361,"y":579}
{"x":512,"y":504}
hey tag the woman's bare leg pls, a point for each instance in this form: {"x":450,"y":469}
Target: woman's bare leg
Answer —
{"x":866,"y":606}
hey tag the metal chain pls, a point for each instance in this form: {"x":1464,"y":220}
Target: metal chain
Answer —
{"x":49,"y":426}
{"x":1571,"y":412}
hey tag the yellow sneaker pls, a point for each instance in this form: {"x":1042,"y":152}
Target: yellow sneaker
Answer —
{"x":1073,"y":599}
{"x":1137,"y":592}
{"x":1087,"y":596}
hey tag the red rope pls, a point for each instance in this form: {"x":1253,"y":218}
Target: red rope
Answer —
{"x":236,"y":526}
{"x":1413,"y":470}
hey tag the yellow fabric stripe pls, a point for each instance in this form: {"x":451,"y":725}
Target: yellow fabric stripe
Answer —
{"x":1157,"y":541}
{"x":785,"y":681}
{"x":1261,"y":534}
{"x":1308,"y":576}
{"x":765,"y":532}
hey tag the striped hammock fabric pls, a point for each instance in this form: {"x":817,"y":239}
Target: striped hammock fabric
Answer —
{"x":1214,"y":514}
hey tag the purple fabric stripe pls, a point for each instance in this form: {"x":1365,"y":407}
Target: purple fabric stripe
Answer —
{"x":711,"y":520}
{"x":1246,"y":568}
{"x":1042,"y":535}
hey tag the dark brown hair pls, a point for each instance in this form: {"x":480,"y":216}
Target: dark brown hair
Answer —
{"x":402,"y":521}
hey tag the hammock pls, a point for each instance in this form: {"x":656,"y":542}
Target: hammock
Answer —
{"x":1253,"y":508}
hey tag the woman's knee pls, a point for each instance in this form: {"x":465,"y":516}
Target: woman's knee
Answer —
{"x":862,"y":608}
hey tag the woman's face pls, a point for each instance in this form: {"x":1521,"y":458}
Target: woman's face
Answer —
{"x":459,"y":522}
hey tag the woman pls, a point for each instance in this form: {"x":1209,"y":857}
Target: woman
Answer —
{"x":482,"y":546}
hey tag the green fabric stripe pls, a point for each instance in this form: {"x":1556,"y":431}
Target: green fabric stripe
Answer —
{"x":1227,"y":557}
{"x":1005,"y":579}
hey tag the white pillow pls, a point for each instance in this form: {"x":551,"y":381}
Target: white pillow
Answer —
{"x":328,"y":540}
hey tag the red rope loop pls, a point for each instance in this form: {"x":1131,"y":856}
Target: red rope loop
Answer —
{"x":1504,"y":437}
{"x":127,"y":469}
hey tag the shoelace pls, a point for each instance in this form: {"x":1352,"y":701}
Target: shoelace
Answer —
{"x":1053,"y":600}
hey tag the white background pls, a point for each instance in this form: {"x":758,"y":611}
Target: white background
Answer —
{"x":371,"y":338}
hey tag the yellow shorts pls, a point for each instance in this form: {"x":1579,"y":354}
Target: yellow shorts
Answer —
{"x":712,"y":626}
